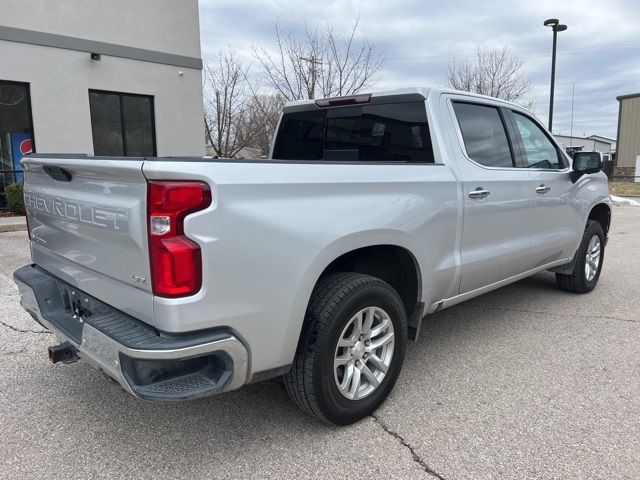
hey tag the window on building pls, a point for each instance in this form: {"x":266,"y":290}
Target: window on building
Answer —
{"x":16,"y":132}
{"x":122,"y":124}
{"x":395,"y":132}
{"x":484,"y":134}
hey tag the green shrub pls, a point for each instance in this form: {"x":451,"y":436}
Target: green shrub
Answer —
{"x":15,"y":198}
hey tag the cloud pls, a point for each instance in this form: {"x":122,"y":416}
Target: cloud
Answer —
{"x":598,"y":54}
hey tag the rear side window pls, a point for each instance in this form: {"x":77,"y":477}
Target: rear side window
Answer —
{"x":301,"y":136}
{"x":484,"y":134}
{"x":395,"y":132}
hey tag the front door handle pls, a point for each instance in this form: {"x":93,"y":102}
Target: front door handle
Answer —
{"x":479,"y":193}
{"x":542,"y":189}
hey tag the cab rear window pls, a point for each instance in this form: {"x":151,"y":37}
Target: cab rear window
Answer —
{"x":396,"y":132}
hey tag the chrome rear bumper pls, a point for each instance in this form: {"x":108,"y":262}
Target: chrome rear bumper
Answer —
{"x":147,"y":363}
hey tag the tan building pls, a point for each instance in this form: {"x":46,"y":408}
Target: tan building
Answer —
{"x":628,"y":145}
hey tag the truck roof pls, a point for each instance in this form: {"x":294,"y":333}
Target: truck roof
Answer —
{"x":398,"y":95}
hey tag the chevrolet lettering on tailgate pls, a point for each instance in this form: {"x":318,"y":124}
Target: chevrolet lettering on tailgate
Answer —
{"x":96,"y":215}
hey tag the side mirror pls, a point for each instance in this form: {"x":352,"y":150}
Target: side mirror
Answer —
{"x":585,"y":163}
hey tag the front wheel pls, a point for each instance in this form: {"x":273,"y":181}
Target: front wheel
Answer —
{"x":351,"y":348}
{"x":588,"y":261}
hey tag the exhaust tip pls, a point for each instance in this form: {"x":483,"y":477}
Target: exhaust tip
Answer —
{"x":65,"y":353}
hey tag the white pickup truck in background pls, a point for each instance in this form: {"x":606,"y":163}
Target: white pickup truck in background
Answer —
{"x":185,"y":277}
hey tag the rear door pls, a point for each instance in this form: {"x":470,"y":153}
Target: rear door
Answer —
{"x":557,"y":214}
{"x":87,"y":220}
{"x":498,"y":202}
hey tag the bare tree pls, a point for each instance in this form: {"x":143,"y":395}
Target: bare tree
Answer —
{"x":237,"y":115}
{"x":225,"y":98}
{"x":259,"y":122}
{"x":318,"y":63}
{"x":496,"y":73}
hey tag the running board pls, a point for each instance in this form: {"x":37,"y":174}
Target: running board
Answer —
{"x":448,"y":302}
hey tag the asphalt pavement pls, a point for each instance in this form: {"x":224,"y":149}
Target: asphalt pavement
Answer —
{"x":524,"y":382}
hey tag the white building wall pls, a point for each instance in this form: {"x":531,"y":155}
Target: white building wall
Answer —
{"x":587,"y":144}
{"x":609,"y":141}
{"x":170,"y":26}
{"x":60,"y":79}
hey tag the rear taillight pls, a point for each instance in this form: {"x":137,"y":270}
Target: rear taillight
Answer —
{"x":176,"y":262}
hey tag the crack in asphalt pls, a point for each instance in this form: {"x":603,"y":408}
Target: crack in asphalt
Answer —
{"x":416,"y":458}
{"x":523,"y":310}
{"x":22,"y":330}
{"x":8,"y":354}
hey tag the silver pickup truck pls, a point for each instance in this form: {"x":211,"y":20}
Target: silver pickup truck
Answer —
{"x":185,"y":277}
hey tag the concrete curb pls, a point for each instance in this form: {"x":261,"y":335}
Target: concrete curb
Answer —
{"x":622,"y":201}
{"x":13,"y":224}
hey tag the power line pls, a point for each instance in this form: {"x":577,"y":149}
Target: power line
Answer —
{"x":566,"y":51}
{"x":592,"y":46}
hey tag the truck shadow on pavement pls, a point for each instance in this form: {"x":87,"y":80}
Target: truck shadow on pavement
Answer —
{"x":264,"y":406}
{"x":260,"y":418}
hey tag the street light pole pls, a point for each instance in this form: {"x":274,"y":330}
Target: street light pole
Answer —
{"x":554,"y":23}
{"x":553,"y":78}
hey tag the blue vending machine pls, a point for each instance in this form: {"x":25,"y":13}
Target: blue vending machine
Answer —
{"x":21,"y":145}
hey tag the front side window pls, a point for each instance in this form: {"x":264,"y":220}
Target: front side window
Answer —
{"x":540,"y":152}
{"x":122,"y":124}
{"x":395,"y":132}
{"x":484,"y":134}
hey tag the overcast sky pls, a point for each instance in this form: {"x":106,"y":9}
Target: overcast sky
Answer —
{"x":599,"y":53}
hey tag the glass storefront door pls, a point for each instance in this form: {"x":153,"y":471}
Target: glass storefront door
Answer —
{"x":16,"y":132}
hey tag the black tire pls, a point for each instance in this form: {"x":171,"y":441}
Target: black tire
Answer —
{"x":334,"y":302}
{"x":577,"y":281}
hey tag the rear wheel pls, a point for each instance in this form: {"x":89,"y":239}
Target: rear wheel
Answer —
{"x":351,"y":348}
{"x":588,"y":263}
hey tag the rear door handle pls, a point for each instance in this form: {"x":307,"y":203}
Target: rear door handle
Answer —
{"x":542,"y":189}
{"x":479,"y":193}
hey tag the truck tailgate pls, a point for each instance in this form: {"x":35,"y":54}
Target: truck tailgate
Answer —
{"x":87,"y":219}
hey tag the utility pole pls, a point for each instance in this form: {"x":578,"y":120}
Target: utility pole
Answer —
{"x":314,"y":62}
{"x":573,"y":90}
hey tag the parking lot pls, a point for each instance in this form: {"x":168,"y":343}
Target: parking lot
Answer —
{"x":527,"y":381}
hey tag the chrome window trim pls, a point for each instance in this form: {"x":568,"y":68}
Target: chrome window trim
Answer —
{"x":450,"y":98}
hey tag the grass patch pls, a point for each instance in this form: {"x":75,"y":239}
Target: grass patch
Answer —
{"x":624,"y":188}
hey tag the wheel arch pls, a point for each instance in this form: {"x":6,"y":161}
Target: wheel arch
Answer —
{"x":601,"y":213}
{"x":394,"y":264}
{"x":388,"y":255}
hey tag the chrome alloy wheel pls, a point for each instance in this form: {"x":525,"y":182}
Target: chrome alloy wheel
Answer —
{"x":592,"y":258}
{"x":364,"y":352}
